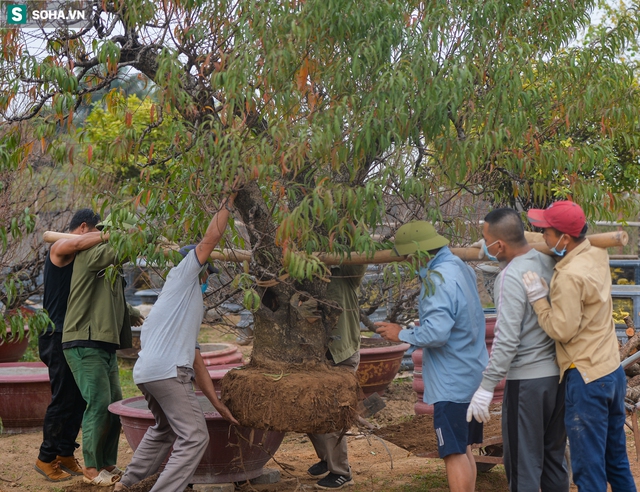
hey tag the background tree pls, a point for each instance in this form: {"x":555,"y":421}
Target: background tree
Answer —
{"x":29,"y":196}
{"x":347,"y":118}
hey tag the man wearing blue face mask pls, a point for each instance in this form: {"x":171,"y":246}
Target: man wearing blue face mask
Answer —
{"x":533,"y":429}
{"x":579,"y":318}
{"x":168,"y":361}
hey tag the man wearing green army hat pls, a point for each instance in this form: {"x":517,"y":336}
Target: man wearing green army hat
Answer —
{"x":451,"y":334}
{"x":97,"y":323}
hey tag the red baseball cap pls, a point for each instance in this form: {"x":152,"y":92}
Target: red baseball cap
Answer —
{"x":564,"y":216}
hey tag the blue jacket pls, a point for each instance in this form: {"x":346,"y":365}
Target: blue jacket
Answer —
{"x":451,"y":331}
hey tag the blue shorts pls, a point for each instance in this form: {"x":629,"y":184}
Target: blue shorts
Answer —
{"x":453,"y":431}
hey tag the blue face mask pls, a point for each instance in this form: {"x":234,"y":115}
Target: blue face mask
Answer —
{"x":486,"y":250}
{"x":555,"y":251}
{"x":203,"y":288}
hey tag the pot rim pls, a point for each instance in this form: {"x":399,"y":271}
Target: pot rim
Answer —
{"x":120,"y":408}
{"x":395,"y":348}
{"x":24,"y":378}
{"x":230,"y":349}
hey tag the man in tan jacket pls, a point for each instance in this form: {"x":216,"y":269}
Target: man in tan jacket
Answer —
{"x":579,"y":319}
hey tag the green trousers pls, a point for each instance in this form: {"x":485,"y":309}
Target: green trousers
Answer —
{"x":96,"y":373}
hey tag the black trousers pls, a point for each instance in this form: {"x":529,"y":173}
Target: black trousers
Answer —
{"x":534,"y":435}
{"x":64,"y":414}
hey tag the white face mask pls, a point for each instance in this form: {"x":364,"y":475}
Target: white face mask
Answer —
{"x":486,"y":250}
{"x":555,"y":251}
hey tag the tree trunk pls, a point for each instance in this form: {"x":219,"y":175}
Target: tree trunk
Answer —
{"x":288,"y":385}
{"x":296,"y":333}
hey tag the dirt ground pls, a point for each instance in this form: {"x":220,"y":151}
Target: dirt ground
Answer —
{"x":377,"y":465}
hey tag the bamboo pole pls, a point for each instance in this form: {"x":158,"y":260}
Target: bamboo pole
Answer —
{"x":602,"y":240}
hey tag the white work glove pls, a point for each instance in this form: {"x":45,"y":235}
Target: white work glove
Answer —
{"x":479,"y":244}
{"x":479,"y":406}
{"x":535,"y":286}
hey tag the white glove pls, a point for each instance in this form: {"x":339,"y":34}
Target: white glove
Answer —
{"x":479,"y":406}
{"x":479,"y":244}
{"x":535,"y":286}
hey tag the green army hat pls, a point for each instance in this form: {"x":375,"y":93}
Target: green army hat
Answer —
{"x":418,"y":235}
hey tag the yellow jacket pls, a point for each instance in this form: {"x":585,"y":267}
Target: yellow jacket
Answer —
{"x":580,"y":318}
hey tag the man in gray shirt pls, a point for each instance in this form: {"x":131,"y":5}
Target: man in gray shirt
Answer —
{"x":533,"y":428}
{"x":169,"y":360}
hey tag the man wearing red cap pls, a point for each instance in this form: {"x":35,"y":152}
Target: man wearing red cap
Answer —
{"x":579,"y":319}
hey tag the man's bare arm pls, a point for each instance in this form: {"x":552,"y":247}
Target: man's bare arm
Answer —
{"x":63,"y":250}
{"x":215,"y":230}
{"x":203,"y":380}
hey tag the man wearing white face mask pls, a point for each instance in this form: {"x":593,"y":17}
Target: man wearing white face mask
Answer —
{"x":579,"y":318}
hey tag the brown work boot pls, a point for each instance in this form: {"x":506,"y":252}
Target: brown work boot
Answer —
{"x":70,"y":464}
{"x":51,"y":471}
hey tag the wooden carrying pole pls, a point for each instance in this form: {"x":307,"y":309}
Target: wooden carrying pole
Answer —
{"x":602,"y":240}
{"x":236,"y":255}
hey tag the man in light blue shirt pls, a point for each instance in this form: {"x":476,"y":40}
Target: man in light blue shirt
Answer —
{"x":452,"y":336}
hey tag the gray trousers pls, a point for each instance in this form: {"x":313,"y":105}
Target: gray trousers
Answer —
{"x":534,"y":435}
{"x":179,"y":423}
{"x":329,"y":447}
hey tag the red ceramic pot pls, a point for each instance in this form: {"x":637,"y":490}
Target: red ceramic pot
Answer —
{"x":218,"y":354}
{"x":418,"y":384}
{"x":228,"y":458}
{"x":25,"y":394}
{"x":12,"y":350}
{"x":379,"y":364}
{"x":490,"y":323}
{"x":420,"y":407}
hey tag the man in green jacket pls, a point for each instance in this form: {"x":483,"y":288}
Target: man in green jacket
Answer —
{"x":97,"y":323}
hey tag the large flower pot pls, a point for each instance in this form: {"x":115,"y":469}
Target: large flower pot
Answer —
{"x":25,"y":394}
{"x":418,"y":383}
{"x":217,"y":354}
{"x":12,"y":349}
{"x":228,"y":458}
{"x":379,"y":364}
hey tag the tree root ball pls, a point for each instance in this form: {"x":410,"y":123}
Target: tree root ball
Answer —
{"x":316,"y":400}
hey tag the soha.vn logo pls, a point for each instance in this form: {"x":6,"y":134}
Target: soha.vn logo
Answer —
{"x":20,"y":14}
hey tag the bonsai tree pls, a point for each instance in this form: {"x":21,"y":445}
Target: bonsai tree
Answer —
{"x":346,"y":119}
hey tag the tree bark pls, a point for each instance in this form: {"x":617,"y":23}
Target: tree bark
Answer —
{"x":632,"y":370}
{"x":296,"y":333}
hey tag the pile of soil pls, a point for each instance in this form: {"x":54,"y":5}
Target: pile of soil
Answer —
{"x":417,"y":436}
{"x":315,"y":400}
